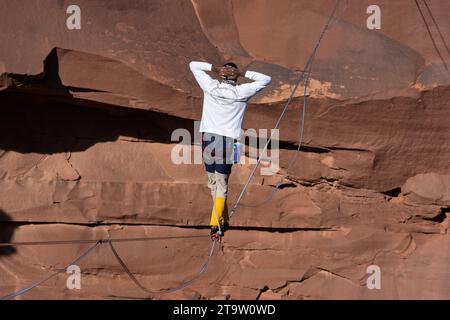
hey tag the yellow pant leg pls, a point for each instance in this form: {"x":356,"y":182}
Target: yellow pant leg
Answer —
{"x":221,"y":212}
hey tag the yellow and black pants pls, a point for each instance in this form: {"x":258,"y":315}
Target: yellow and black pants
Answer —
{"x":218,"y":160}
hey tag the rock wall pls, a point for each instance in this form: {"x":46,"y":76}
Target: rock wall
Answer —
{"x":86,"y":119}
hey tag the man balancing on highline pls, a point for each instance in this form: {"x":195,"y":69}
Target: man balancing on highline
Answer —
{"x":224,"y":105}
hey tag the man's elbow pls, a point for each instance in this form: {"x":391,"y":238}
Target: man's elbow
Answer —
{"x":193,"y":65}
{"x":266,"y":80}
{"x":199,"y":66}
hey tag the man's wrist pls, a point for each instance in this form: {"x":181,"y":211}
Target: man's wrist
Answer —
{"x":215,"y":69}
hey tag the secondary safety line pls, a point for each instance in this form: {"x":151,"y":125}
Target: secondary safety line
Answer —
{"x":307,"y":70}
{"x":431,"y":34}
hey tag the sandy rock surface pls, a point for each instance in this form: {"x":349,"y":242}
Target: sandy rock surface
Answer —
{"x":86,"y":122}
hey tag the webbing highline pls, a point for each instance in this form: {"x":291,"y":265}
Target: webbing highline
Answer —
{"x":306,"y":71}
{"x":60,"y":242}
{"x":91,"y":249}
{"x":184,"y":284}
{"x":38,"y":283}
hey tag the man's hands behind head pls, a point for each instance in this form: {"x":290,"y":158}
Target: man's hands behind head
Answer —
{"x":227,"y":72}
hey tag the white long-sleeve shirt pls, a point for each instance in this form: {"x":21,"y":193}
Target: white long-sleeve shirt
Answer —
{"x":224,"y":103}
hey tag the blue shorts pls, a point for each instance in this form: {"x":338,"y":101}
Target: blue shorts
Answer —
{"x":217,"y":152}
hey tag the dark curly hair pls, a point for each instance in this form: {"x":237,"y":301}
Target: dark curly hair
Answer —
{"x":231,"y":64}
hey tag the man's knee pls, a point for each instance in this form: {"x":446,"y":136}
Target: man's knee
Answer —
{"x":221,"y":184}
{"x":211,"y":178}
{"x":212,"y":183}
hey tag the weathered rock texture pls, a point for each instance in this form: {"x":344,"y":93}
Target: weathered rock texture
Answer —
{"x":85,"y":146}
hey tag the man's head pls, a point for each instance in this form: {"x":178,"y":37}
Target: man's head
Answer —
{"x":229,"y":71}
{"x":230,"y":64}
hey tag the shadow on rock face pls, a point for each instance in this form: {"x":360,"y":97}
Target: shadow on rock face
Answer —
{"x":39,"y":124}
{"x":38,"y":114}
{"x":6,"y":232}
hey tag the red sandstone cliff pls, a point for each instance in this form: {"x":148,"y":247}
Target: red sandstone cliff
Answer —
{"x":85,"y":149}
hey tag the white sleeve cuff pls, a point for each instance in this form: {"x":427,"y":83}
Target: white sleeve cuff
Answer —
{"x":205,"y":66}
{"x":253,"y":75}
{"x":199,"y":65}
